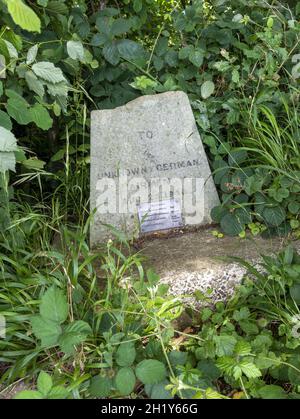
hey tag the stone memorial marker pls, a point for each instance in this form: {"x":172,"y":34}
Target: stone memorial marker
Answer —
{"x":149,"y":170}
{"x":2,"y":67}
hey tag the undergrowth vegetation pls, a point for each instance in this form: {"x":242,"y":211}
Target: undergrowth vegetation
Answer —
{"x":82,"y":324}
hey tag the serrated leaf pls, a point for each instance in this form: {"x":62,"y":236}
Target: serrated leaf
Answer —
{"x":40,"y":116}
{"x":8,"y":141}
{"x":17,"y":108}
{"x":44,"y":383}
{"x":100,"y":386}
{"x":46,"y":330}
{"x":34,"y":83}
{"x":130,"y":50}
{"x":126,"y":354}
{"x":249,"y":369}
{"x":74,"y":334}
{"x":151,"y":371}
{"x":48,"y":72}
{"x":75,"y":50}
{"x":7,"y":162}
{"x":5,"y":121}
{"x":31,"y":54}
{"x":54,"y":306}
{"x":125,"y":381}
{"x":111,"y":53}
{"x":23,"y":15}
{"x":224,"y":344}
{"x":207,"y":89}
{"x":120,"y":26}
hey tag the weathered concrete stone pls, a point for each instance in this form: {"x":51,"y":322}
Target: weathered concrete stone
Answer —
{"x":153,"y":138}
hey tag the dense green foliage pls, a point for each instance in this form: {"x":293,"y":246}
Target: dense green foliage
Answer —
{"x":114,"y":331}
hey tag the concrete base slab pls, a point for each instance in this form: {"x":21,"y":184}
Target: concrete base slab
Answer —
{"x":193,"y":261}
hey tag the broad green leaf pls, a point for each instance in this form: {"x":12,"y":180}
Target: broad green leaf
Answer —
{"x":75,"y":50}
{"x":231,"y":224}
{"x":54,"y":306}
{"x":73,"y":334}
{"x":274,"y":216}
{"x":224,"y":344}
{"x":44,"y":383}
{"x":31,"y":54}
{"x":58,"y":392}
{"x":130,"y":50}
{"x":111,"y":53}
{"x":272,"y":392}
{"x":12,"y":51}
{"x":8,"y":141}
{"x":46,"y":330}
{"x":126,"y":354}
{"x":196,"y":57}
{"x":125,"y":381}
{"x":23,"y":15}
{"x":120,"y":26}
{"x":5,"y":121}
{"x":29,"y":395}
{"x":17,"y":108}
{"x":34,"y":83}
{"x":40,"y":116}
{"x":137,"y":5}
{"x":100,"y":386}
{"x":48,"y":72}
{"x":7,"y":162}
{"x":151,"y":371}
{"x":249,"y":369}
{"x":158,"y":391}
{"x":207,"y":89}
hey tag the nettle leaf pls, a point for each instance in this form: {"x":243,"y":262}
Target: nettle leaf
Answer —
{"x":23,"y":15}
{"x":46,"y":330}
{"x":5,"y":121}
{"x":31,"y":54}
{"x":44,"y":383}
{"x":54,"y":306}
{"x":100,"y":386}
{"x":75,"y":50}
{"x":151,"y":371}
{"x":126,"y":354}
{"x":207,"y":89}
{"x":8,"y":141}
{"x":34,"y":83}
{"x":48,"y":72}
{"x":40,"y":116}
{"x":125,"y":381}
{"x":74,"y":334}
{"x":7,"y":162}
